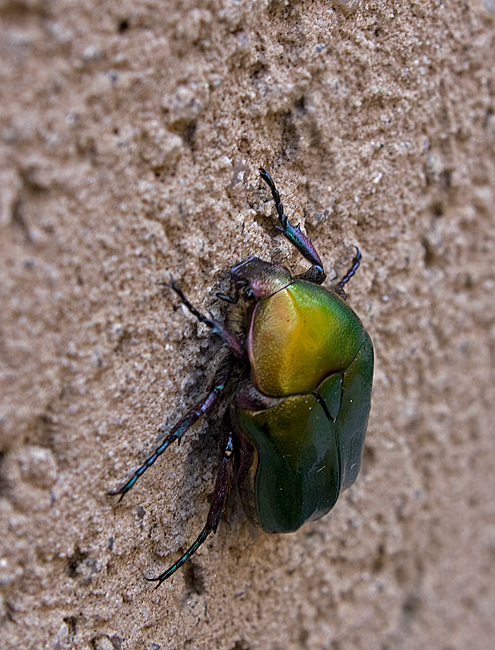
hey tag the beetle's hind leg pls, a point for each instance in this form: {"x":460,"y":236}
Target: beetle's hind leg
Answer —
{"x":223,"y":486}
{"x":217,"y":388}
{"x":303,"y":244}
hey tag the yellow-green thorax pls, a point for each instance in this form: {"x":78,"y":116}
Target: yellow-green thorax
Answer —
{"x":300,"y":335}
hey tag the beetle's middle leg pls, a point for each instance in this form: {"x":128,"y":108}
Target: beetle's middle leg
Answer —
{"x":217,"y":388}
{"x":216,"y":326}
{"x":223,"y":486}
{"x":303,"y":244}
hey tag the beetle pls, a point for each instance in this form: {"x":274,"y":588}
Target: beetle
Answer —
{"x":293,"y":433}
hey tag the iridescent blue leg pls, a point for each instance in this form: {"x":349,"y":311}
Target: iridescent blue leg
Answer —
{"x":220,"y":381}
{"x":303,"y":244}
{"x":216,"y":326}
{"x":223,"y":485}
{"x":339,"y":287}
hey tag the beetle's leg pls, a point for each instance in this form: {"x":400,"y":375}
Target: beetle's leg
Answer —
{"x":303,"y":244}
{"x":339,"y":287}
{"x":223,"y":485}
{"x":355,"y":265}
{"x":216,"y":326}
{"x":220,"y":381}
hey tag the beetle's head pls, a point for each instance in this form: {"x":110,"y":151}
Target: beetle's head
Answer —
{"x":259,"y":279}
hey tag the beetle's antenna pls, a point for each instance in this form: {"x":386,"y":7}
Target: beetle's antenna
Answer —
{"x":226,"y":298}
{"x":238,"y":286}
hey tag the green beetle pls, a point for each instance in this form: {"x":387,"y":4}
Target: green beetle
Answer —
{"x":293,"y":435}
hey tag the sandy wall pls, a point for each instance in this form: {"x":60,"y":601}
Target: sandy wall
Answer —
{"x":130,"y":137}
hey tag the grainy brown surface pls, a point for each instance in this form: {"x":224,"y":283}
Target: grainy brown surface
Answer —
{"x":130,"y":136}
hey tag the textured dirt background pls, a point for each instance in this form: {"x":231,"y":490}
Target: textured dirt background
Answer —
{"x":130,"y":137}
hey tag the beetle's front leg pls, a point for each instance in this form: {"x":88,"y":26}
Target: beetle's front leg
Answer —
{"x":223,"y":486}
{"x":315,"y":274}
{"x":339,"y":287}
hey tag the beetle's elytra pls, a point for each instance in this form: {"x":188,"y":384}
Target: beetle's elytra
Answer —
{"x":293,"y":434}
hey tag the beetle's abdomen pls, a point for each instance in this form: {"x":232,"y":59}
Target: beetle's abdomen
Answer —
{"x":298,"y":467}
{"x":300,"y":335}
{"x":308,"y":447}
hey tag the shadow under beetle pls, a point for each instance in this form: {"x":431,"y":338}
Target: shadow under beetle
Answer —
{"x":293,"y":435}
